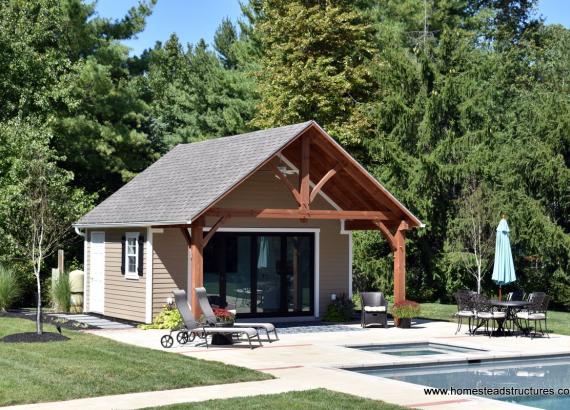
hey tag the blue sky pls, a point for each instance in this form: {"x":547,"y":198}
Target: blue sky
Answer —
{"x":195,"y":19}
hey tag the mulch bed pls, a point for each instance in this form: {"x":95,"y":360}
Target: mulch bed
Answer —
{"x":47,"y":320}
{"x":33,"y":337}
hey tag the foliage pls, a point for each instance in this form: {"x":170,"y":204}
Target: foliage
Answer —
{"x":61,"y":293}
{"x":339,"y":310}
{"x":9,"y":288}
{"x":32,"y":372}
{"x":168,"y":318}
{"x":406,"y":309}
{"x":314,"y":63}
{"x":37,"y":205}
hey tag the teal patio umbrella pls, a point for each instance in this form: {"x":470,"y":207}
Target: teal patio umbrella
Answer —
{"x":504,"y":268}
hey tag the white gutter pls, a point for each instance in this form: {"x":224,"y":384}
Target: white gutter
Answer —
{"x":78,"y":232}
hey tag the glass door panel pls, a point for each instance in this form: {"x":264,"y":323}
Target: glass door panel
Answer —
{"x":238,"y":279}
{"x":299,"y":273}
{"x":269,"y":271}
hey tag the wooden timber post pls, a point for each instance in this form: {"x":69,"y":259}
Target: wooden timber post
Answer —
{"x":400,"y":262}
{"x":197,"y":264}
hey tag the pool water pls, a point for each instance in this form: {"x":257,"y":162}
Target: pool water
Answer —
{"x":537,"y":373}
{"x":415,"y":349}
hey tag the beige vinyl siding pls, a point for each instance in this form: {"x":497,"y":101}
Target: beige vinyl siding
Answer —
{"x":170,"y":265}
{"x":124,"y":298}
{"x":264,"y":190}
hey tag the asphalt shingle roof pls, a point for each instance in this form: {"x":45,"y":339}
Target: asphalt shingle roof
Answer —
{"x":190,"y":178}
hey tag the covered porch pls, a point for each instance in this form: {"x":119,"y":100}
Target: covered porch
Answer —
{"x":324,"y":184}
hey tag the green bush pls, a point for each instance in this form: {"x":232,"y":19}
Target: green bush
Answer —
{"x":406,"y":309}
{"x":9,"y":288}
{"x":61,"y":293}
{"x":168,"y":318}
{"x":340,"y":310}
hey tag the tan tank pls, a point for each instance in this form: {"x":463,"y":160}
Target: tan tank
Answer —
{"x":76,"y":278}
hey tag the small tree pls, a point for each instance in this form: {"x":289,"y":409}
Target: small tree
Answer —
{"x":37,"y":203}
{"x":470,"y":234}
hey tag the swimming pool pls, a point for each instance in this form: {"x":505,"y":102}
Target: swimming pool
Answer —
{"x":415,"y":349}
{"x":550,"y":372}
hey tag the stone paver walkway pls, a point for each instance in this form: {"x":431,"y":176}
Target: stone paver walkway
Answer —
{"x":94,"y":321}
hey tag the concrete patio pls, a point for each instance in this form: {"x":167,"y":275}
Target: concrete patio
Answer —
{"x":305,"y":359}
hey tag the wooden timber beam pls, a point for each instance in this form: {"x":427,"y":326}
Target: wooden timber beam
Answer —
{"x":213,"y":229}
{"x":400,"y":263}
{"x":283,"y":178}
{"x":197,"y":262}
{"x":317,"y":188}
{"x":387,"y":234}
{"x":362,"y":180}
{"x":304,"y":177}
{"x":270,"y":213}
{"x":184,"y":230}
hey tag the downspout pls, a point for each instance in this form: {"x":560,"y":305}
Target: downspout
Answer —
{"x":78,"y":232}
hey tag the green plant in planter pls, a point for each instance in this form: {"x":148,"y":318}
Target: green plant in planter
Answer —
{"x":406,"y":309}
{"x":168,"y":318}
{"x":340,"y":310}
{"x":9,"y":288}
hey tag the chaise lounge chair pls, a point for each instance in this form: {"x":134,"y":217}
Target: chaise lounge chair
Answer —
{"x":211,"y":317}
{"x":192,"y":328}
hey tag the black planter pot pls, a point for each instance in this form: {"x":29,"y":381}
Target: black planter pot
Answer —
{"x":404,"y":323}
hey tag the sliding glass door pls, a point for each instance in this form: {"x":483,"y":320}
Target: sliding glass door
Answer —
{"x":265,"y":274}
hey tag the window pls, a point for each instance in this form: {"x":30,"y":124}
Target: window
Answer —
{"x":131,"y":255}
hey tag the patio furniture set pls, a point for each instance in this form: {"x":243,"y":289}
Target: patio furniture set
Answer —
{"x":518,"y":311}
{"x":208,"y":325}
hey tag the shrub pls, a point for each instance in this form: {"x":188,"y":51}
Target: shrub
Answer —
{"x":168,"y":318}
{"x":406,"y":309}
{"x":61,"y":293}
{"x":340,"y":310}
{"x":9,"y":288}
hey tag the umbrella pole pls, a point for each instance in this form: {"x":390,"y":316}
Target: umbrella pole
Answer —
{"x":500,"y":292}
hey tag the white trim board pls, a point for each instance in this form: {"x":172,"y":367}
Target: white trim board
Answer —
{"x":85,"y":271}
{"x":148,"y":262}
{"x":102,"y":311}
{"x":315,"y":231}
{"x":343,"y":231}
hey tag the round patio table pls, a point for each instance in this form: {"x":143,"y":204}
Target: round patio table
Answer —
{"x":511,"y":307}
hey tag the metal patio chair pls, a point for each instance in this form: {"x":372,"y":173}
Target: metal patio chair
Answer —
{"x":464,"y":309}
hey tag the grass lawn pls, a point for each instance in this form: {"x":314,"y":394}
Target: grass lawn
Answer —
{"x":558,"y":322}
{"x":87,"y":366}
{"x":310,"y":399}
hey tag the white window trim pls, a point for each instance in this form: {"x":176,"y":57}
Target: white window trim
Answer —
{"x":149,"y":255}
{"x":135,"y":274}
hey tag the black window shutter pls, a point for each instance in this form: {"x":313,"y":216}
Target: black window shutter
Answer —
{"x":141,"y":254}
{"x":123,"y":250}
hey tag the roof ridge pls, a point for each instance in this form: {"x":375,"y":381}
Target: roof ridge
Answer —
{"x":225,"y":137}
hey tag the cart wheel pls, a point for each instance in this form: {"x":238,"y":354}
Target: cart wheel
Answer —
{"x":166,"y":341}
{"x":191,"y":336}
{"x":182,"y":338}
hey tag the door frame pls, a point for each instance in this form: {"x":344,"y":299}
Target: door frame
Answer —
{"x":316,"y":258}
{"x":102,"y":311}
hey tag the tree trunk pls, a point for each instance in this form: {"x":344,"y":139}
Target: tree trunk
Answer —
{"x":39,"y":328}
{"x":478,"y":278}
